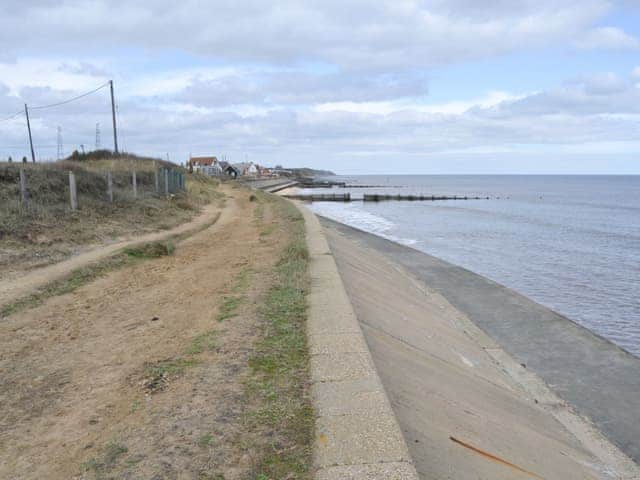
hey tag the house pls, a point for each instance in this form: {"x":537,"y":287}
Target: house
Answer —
{"x":252,"y":170}
{"x":232,"y":171}
{"x":206,"y":165}
{"x":212,"y":170}
{"x":247,"y":168}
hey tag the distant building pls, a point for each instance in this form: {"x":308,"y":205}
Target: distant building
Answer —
{"x":232,"y":171}
{"x":205,"y":165}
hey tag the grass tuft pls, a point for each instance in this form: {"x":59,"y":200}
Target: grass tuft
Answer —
{"x":151,"y":250}
{"x":204,"y":342}
{"x":100,"y":466}
{"x":229,"y":307}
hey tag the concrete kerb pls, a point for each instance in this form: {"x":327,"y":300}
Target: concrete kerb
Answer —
{"x":357,"y":435}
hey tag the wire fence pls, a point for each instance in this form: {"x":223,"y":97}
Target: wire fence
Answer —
{"x":64,"y":186}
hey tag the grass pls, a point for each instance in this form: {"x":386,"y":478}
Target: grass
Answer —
{"x":170,"y":367}
{"x":280,"y":366}
{"x":46,"y":230}
{"x":68,"y":284}
{"x":150,"y":250}
{"x":204,"y":342}
{"x":84,"y":275}
{"x":229,"y":307}
{"x":158,"y":374}
{"x":205,"y":440}
{"x":81,"y":276}
{"x":268,"y":230}
{"x":259,"y":198}
{"x":110,"y":456}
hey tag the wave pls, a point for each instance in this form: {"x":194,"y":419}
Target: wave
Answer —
{"x":354,"y":216}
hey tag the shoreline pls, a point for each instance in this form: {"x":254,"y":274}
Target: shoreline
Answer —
{"x":585,"y":370}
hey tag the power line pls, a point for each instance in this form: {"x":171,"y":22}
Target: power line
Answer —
{"x":11,"y":117}
{"x":64,"y":102}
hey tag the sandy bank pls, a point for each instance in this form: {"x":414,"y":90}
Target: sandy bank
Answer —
{"x":467,"y":408}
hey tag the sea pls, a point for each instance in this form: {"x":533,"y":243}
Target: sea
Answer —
{"x":571,"y":243}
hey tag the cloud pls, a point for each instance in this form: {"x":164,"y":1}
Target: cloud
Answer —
{"x":50,"y":72}
{"x":300,"y":88}
{"x":319,"y":83}
{"x":356,"y":34}
{"x":605,"y":94}
{"x":609,"y":38}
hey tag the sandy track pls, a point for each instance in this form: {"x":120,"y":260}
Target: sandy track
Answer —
{"x":74,"y":372}
{"x":19,"y":284}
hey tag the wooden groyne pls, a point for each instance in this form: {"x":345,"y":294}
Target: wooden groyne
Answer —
{"x":374,"y":197}
{"x":323,"y":197}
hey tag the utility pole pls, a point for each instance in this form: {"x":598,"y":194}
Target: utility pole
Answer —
{"x":33,"y":153}
{"x":98,"y":136}
{"x":60,"y":149}
{"x":113,"y":116}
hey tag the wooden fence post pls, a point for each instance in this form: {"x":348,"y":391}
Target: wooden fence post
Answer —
{"x":72,"y":191}
{"x":157,"y":179}
{"x":166,"y":182}
{"x":134,"y":181}
{"x":110,"y":187}
{"x":23,"y":188}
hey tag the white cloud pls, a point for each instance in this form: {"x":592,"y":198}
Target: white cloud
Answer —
{"x":610,"y":38}
{"x":449,"y":108}
{"x":315,"y":82}
{"x":356,"y":34}
{"x":62,"y":74}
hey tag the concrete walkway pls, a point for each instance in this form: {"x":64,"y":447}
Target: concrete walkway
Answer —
{"x":357,"y":435}
{"x":467,"y":409}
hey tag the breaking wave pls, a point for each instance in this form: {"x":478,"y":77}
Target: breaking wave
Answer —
{"x":352,"y":215}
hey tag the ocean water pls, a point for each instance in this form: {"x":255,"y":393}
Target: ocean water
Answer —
{"x":571,"y":243}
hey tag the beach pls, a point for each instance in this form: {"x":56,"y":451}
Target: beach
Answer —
{"x":478,"y":388}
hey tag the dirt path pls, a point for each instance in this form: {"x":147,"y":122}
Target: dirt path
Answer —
{"x":19,"y":284}
{"x":135,"y":375}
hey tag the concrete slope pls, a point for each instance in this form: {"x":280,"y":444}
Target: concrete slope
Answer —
{"x":357,"y":435}
{"x":466,"y":409}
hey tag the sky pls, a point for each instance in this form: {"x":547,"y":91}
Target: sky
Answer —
{"x":354,"y":86}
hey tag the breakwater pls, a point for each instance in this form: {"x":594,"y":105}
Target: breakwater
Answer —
{"x":346,"y":197}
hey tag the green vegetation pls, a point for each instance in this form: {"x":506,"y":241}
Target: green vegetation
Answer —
{"x":279,"y":384}
{"x":45,"y":230}
{"x":169,"y":367}
{"x":243,"y":279}
{"x":84,"y":275}
{"x":204,"y":342}
{"x":81,"y":276}
{"x":100,"y":466}
{"x":268,"y":230}
{"x":229,"y":307}
{"x":151,"y":250}
{"x":205,"y":440}
{"x":68,"y":284}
